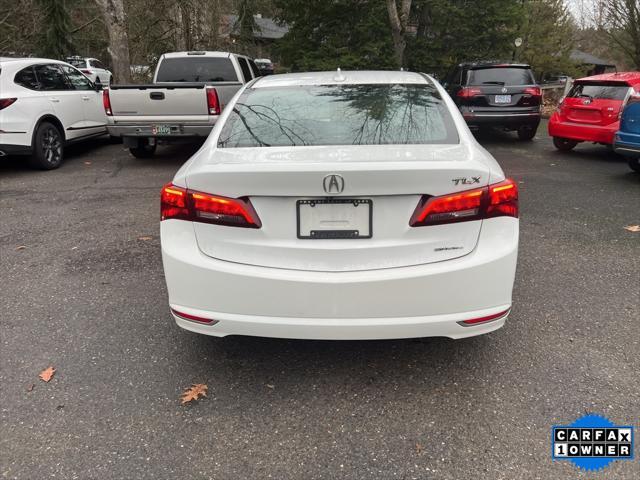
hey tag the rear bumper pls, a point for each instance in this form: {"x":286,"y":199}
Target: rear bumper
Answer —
{"x":627,"y":144}
{"x":146,"y":130}
{"x":582,"y":132}
{"x":418,"y":301}
{"x":496,"y":117}
{"x":14,"y":150}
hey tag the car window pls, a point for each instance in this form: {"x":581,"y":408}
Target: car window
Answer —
{"x":50,"y":77}
{"x":196,"y":69}
{"x":77,"y":62}
{"x":77,"y":79}
{"x":27,"y":78}
{"x":338,"y":115}
{"x":254,"y":69}
{"x":500,"y":76}
{"x":244,"y":66}
{"x":602,"y":91}
{"x":98,"y":64}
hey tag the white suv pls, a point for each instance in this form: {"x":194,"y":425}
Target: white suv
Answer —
{"x":43,"y":105}
{"x":92,"y":68}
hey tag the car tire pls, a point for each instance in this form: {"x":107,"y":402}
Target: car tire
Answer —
{"x":634,"y":164}
{"x":48,"y":147}
{"x":143,"y":150}
{"x":527,"y":132}
{"x":564,"y":144}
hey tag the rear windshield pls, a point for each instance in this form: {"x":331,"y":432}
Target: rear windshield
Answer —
{"x":338,"y":115}
{"x":196,"y":69}
{"x":501,"y":76}
{"x":77,"y":62}
{"x":602,"y":91}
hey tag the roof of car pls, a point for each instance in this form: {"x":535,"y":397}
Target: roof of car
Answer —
{"x":631,"y":78}
{"x":197,"y":53}
{"x":334,"y":77}
{"x":28,"y":60}
{"x":494,"y":63}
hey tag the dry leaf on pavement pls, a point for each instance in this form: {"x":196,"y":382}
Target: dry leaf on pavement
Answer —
{"x":145,"y":238}
{"x":30,"y":387}
{"x":633,"y":228}
{"x":87,"y":163}
{"x":21,"y":247}
{"x":47,"y":374}
{"x":419,"y":448}
{"x":196,"y":391}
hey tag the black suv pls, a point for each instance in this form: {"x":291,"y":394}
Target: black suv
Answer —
{"x":497,"y":94}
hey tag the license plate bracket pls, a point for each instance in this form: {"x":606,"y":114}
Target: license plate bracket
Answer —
{"x":334,"y":218}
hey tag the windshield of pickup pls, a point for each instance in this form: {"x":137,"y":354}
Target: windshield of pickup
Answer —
{"x":373,"y":114}
{"x":196,"y":69}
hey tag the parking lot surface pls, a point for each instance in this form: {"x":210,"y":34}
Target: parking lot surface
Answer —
{"x":83,"y":291}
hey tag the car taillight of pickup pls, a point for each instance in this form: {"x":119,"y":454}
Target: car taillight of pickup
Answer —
{"x":188,"y":93}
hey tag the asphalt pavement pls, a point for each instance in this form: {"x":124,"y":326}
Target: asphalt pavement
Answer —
{"x":83,"y":291}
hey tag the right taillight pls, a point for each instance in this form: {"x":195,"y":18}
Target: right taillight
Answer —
{"x":468,"y":92}
{"x":496,"y":200}
{"x":533,"y":91}
{"x":184,"y":204}
{"x":5,"y":102}
{"x":106,"y":102}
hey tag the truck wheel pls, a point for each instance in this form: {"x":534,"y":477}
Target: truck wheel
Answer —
{"x":527,"y":132}
{"x":564,"y":144}
{"x":48,"y":147}
{"x":143,"y":150}
{"x":634,"y":164}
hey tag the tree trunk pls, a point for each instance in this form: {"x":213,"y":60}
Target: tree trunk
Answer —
{"x":114,"y":18}
{"x":398,"y":21}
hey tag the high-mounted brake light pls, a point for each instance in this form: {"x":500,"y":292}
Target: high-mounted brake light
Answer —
{"x":533,"y":91}
{"x":497,"y":200}
{"x":106,"y":102}
{"x":213,"y":104}
{"x":468,"y":92}
{"x":183,"y":204}
{"x":5,"y":102}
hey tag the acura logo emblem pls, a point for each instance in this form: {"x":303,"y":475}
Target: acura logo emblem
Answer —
{"x":333,"y":183}
{"x":504,"y":89}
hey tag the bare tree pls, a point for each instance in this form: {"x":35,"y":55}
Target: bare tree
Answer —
{"x":115,"y":21}
{"x":623,"y":26}
{"x":399,"y":20}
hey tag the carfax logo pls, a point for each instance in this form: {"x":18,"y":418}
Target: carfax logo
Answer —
{"x":592,"y":442}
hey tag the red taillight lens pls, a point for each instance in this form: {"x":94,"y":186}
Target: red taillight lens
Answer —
{"x":5,"y":102}
{"x":469,"y":92}
{"x":85,"y":71}
{"x":533,"y":91}
{"x":213,"y":103}
{"x":488,"y":318}
{"x":106,"y":102}
{"x":194,"y":318}
{"x":183,"y":204}
{"x":497,"y":200}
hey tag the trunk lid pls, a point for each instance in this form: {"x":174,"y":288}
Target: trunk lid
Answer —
{"x":276,"y":178}
{"x":594,"y":103}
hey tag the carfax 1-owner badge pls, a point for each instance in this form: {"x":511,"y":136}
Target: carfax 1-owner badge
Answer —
{"x":592,"y":442}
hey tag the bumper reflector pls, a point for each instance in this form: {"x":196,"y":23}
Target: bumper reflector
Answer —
{"x":194,"y":318}
{"x":489,"y":318}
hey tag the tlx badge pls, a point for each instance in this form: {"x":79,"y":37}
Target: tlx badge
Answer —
{"x":465,"y":180}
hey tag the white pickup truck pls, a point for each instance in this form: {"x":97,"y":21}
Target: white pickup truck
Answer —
{"x":188,"y":93}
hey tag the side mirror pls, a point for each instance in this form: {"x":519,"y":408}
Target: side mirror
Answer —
{"x":98,"y":86}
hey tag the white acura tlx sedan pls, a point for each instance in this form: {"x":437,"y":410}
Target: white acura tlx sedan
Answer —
{"x":340,"y":205}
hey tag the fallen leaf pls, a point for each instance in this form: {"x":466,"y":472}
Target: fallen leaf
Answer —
{"x":145,"y":239}
{"x":419,"y":448}
{"x":270,"y":386}
{"x":87,"y":163}
{"x":21,"y":247}
{"x":633,"y":228}
{"x":47,"y":374}
{"x":196,"y":391}
{"x":31,"y":387}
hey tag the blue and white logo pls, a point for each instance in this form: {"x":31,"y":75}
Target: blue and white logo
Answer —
{"x":592,"y":442}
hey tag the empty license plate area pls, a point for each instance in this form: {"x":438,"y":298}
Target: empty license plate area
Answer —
{"x":334,"y":218}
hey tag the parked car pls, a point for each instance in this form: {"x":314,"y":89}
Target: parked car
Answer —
{"x":322,"y":207}
{"x":495,"y":94}
{"x":188,"y":93}
{"x":591,"y":110}
{"x":627,"y":139}
{"x":45,"y":104}
{"x":92,"y":68}
{"x":265,"y":65}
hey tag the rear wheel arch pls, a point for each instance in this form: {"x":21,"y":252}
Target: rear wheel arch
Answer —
{"x":51,"y":119}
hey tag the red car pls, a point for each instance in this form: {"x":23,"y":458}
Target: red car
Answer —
{"x":591,"y":110}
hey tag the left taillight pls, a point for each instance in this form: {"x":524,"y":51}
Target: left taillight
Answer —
{"x":496,"y":200}
{"x":184,"y":204}
{"x":213,"y":103}
{"x":106,"y":102}
{"x":5,"y":102}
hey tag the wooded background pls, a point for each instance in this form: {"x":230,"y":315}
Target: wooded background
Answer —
{"x":422,"y":35}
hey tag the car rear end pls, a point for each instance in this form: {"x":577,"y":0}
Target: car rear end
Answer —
{"x":340,"y":211}
{"x":591,"y":110}
{"x":502,"y":95}
{"x":17,"y":110}
{"x":627,"y":139}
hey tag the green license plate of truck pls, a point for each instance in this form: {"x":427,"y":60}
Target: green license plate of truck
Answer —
{"x":161,"y":130}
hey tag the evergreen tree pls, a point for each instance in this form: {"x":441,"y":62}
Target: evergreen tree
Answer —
{"x":55,"y":41}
